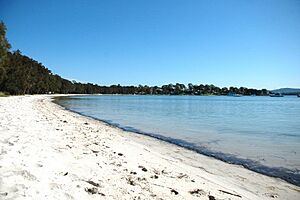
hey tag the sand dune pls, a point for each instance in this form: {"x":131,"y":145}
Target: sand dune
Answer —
{"x":48,"y":152}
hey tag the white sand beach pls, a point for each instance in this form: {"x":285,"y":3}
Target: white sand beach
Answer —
{"x":47,"y":152}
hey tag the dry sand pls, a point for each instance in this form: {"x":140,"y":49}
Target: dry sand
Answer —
{"x":47,"y":152}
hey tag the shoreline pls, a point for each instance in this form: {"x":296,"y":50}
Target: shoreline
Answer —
{"x":276,"y":172}
{"x":121,"y":165}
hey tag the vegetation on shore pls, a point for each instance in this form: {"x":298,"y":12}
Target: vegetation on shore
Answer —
{"x":3,"y":94}
{"x":20,"y":74}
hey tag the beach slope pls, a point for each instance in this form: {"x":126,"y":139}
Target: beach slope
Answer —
{"x":47,"y":152}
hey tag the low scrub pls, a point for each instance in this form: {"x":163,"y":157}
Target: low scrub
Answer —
{"x":4,"y":94}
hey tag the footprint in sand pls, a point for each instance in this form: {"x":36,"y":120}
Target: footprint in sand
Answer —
{"x":272,"y":195}
{"x":26,"y":174}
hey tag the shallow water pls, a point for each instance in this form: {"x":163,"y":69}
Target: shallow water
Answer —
{"x":261,"y":133}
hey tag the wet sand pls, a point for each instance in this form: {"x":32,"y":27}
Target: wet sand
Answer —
{"x":48,"y":152}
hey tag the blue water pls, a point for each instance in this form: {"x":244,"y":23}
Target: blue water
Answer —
{"x":260,"y":133}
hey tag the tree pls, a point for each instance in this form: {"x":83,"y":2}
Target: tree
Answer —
{"x":4,"y":47}
{"x":20,"y":74}
{"x":179,"y":89}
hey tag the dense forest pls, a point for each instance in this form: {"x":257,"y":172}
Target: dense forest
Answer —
{"x":20,"y":74}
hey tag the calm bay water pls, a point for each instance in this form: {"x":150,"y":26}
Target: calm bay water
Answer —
{"x":260,"y":133}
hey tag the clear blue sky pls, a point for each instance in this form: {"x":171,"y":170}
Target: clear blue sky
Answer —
{"x":252,"y":43}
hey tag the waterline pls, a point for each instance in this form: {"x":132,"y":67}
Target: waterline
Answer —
{"x":179,"y":121}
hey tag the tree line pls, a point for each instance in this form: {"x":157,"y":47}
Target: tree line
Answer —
{"x":20,"y":74}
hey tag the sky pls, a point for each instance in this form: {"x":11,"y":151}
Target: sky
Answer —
{"x":251,"y":43}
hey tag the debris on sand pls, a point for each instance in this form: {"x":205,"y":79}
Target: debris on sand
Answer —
{"x":154,"y":176}
{"x":93,"y":183}
{"x":174,"y":191}
{"x":230,"y":193}
{"x":197,"y":192}
{"x":94,"y":151}
{"x":210,"y":197}
{"x":144,"y":169}
{"x":130,"y":181}
{"x":91,"y":190}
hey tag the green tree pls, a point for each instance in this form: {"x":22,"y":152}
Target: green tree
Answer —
{"x":4,"y":47}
